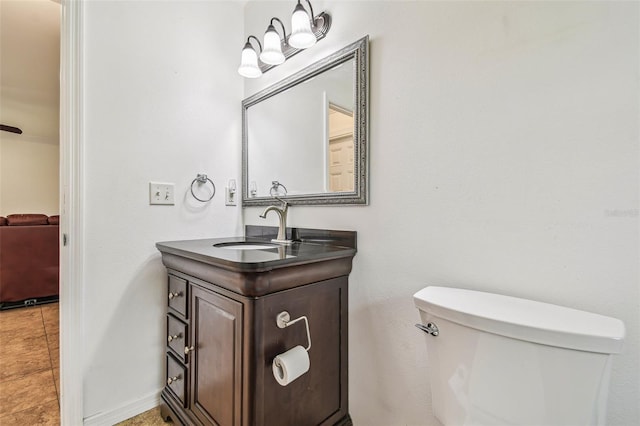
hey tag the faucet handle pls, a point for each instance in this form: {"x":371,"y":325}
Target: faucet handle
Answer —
{"x":284,"y":203}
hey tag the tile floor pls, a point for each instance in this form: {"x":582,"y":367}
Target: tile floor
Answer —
{"x":148,"y":418}
{"x":29,"y":366}
{"x":30,"y":372}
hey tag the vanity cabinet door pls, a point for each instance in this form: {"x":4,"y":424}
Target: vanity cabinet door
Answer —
{"x":215,"y":358}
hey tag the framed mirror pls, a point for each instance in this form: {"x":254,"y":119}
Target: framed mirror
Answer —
{"x":305,"y":139}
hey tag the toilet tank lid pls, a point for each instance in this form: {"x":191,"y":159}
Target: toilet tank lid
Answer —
{"x":524,"y":319}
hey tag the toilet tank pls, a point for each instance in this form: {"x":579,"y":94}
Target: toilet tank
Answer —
{"x":500,"y":360}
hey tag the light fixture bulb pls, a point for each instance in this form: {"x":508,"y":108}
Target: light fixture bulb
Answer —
{"x":272,"y":52}
{"x":301,"y":35}
{"x":249,"y":63}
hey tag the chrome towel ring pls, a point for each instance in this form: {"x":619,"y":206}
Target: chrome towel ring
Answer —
{"x":201,"y":180}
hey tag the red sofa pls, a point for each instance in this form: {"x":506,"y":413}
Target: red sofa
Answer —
{"x":29,"y":259}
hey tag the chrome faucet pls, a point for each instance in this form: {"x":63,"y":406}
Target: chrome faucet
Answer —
{"x":282,"y":216}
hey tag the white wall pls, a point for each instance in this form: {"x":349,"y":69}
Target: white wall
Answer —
{"x":29,"y":70}
{"x":28,"y":176}
{"x":504,"y":157}
{"x":162,"y":103}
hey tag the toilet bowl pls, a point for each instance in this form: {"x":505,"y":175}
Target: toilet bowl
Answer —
{"x":500,"y":360}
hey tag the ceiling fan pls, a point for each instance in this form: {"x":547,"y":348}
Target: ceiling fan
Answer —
{"x":10,"y":129}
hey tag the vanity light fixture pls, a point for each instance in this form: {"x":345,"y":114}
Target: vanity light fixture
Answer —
{"x":272,"y":52}
{"x":249,"y":63}
{"x":306,"y":29}
{"x":302,"y":36}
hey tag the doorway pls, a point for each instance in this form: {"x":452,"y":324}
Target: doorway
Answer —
{"x":29,"y":183}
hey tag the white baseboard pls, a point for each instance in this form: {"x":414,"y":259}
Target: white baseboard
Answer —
{"x":124,"y":412}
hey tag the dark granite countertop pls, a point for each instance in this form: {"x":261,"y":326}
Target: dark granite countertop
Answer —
{"x":310,"y":246}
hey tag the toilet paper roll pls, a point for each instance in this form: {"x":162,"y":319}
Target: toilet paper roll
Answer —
{"x":290,"y":365}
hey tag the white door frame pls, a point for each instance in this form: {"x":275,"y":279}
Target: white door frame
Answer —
{"x":71,"y":213}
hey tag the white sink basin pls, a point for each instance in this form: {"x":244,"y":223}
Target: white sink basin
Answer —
{"x":246,"y":246}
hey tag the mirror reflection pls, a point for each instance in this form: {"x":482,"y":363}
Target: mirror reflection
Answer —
{"x":296,"y":138}
{"x":339,"y":168}
{"x":305,"y":137}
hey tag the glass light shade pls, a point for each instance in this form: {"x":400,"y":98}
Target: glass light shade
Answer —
{"x":301,"y":35}
{"x":272,"y":52}
{"x":249,"y":63}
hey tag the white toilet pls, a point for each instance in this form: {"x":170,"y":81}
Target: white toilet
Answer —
{"x":499,"y":360}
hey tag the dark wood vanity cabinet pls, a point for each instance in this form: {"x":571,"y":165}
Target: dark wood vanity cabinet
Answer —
{"x":221,"y":343}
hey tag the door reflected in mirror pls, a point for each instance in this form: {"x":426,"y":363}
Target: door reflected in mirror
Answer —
{"x":308,"y":133}
{"x":340,"y":149}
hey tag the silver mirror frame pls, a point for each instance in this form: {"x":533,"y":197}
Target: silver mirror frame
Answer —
{"x":359,"y":52}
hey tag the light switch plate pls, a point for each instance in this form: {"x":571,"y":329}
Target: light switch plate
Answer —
{"x":161,"y":193}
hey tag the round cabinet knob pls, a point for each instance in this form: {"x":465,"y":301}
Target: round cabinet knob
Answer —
{"x":170,"y":380}
{"x":174,"y":337}
{"x":174,"y":294}
{"x":188,"y":350}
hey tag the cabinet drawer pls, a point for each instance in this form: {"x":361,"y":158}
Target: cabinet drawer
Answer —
{"x":178,"y":295}
{"x":177,"y":378}
{"x":177,"y":333}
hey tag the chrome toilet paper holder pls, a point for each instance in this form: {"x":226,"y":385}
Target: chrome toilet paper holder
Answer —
{"x":283,"y":320}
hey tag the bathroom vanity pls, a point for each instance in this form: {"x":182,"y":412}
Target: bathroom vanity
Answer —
{"x":222,"y":337}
